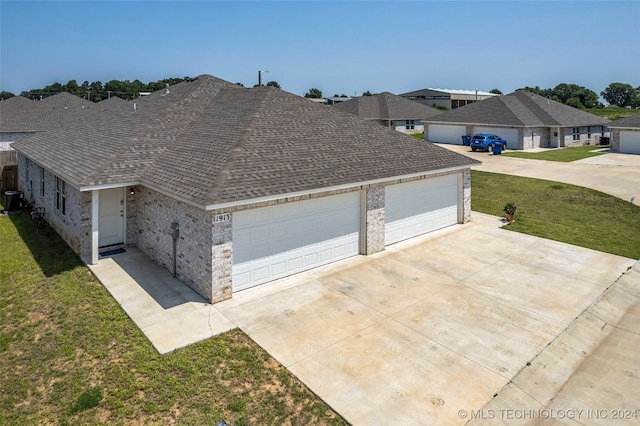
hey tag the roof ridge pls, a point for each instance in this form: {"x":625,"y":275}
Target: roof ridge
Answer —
{"x":237,"y":150}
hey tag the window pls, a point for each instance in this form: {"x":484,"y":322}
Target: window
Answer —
{"x":576,"y":133}
{"x":42,"y":181}
{"x":61,"y":196}
{"x":411,"y":124}
{"x":588,"y":132}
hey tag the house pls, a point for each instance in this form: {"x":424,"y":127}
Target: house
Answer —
{"x":21,"y":118}
{"x":335,"y":100}
{"x":230,"y":187}
{"x":625,"y":135}
{"x":447,"y":98}
{"x":390,"y":110}
{"x":525,"y":120}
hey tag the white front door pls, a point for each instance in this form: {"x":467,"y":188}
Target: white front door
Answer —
{"x":111,"y":217}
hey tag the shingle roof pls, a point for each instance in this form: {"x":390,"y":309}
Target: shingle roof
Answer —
{"x":53,"y":112}
{"x":631,"y":122}
{"x":520,"y":109}
{"x":387,"y":106}
{"x":212,"y":142}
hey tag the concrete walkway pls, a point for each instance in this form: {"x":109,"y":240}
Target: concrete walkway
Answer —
{"x":614,"y":174}
{"x":168,"y":312}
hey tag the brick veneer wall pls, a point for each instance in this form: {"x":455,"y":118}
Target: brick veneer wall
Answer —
{"x":374,"y":219}
{"x":155,"y":213}
{"x":75,"y":225}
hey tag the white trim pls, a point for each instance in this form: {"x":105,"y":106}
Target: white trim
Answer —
{"x":210,"y":207}
{"x":95,"y":225}
{"x":331,"y":188}
{"x":106,"y":186}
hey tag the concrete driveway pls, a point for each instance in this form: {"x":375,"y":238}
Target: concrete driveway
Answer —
{"x":469,"y":318}
{"x":611,"y":173}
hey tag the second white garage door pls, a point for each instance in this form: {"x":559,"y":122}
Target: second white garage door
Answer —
{"x":630,"y":142}
{"x":509,"y":135}
{"x":415,"y":208}
{"x":274,"y":242}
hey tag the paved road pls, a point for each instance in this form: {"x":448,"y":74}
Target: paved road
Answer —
{"x":614,"y":174}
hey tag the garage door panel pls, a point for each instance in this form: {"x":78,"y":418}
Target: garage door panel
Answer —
{"x":629,"y":142}
{"x":297,"y":236}
{"x":420,"y":207}
{"x":442,"y":133}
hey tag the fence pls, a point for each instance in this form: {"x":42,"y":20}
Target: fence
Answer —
{"x":8,"y":171}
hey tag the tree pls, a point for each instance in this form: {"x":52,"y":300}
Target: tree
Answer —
{"x":496,"y":91}
{"x":367,"y":93}
{"x":574,"y":102}
{"x":619,"y":94}
{"x":313,"y":93}
{"x":274,"y":84}
{"x":6,"y":95}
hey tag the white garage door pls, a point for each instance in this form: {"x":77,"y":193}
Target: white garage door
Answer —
{"x":630,"y":142}
{"x":509,"y":135}
{"x":442,"y":133}
{"x":274,"y":242}
{"x":415,"y":208}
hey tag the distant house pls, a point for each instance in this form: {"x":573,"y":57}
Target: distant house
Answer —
{"x":21,"y":118}
{"x":334,"y":100}
{"x":447,"y":98}
{"x":525,"y":120}
{"x":247,"y":184}
{"x":625,"y":135}
{"x":390,"y":110}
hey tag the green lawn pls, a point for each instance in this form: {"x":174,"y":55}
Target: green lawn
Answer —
{"x":564,"y":154}
{"x":70,"y":355}
{"x":612,"y":113}
{"x":561,"y":212}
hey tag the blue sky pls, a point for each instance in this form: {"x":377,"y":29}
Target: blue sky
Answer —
{"x":336,"y":46}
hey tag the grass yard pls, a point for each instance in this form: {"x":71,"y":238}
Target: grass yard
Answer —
{"x":612,"y":113}
{"x":565,"y":155}
{"x":561,"y":212}
{"x":70,"y":355}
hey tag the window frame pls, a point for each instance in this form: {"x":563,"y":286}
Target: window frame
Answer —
{"x":42,"y":181}
{"x":61,"y":196}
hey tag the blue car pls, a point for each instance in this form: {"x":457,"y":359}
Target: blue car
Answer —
{"x":485,"y":141}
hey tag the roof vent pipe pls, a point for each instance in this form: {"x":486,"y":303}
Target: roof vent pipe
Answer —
{"x":166,"y":89}
{"x":134,"y":107}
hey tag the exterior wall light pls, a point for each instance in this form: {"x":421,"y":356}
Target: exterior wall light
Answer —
{"x":132,"y":191}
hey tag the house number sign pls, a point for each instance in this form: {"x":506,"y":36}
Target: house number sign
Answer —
{"x":222,"y":217}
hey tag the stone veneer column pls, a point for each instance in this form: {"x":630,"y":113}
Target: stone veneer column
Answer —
{"x":374,"y":220}
{"x":221,"y":261}
{"x":466,"y":196}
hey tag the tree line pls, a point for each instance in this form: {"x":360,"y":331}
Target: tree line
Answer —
{"x":616,"y":94}
{"x":97,"y":91}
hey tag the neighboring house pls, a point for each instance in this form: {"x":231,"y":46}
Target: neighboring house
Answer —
{"x":447,"y":98}
{"x":334,"y":100}
{"x":390,"y":110}
{"x":525,"y":120}
{"x":254,"y":184}
{"x":625,"y":135}
{"x":21,"y":118}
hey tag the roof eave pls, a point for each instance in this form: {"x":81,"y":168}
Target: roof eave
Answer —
{"x":276,"y":197}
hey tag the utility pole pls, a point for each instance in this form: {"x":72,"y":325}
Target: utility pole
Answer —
{"x":260,"y":77}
